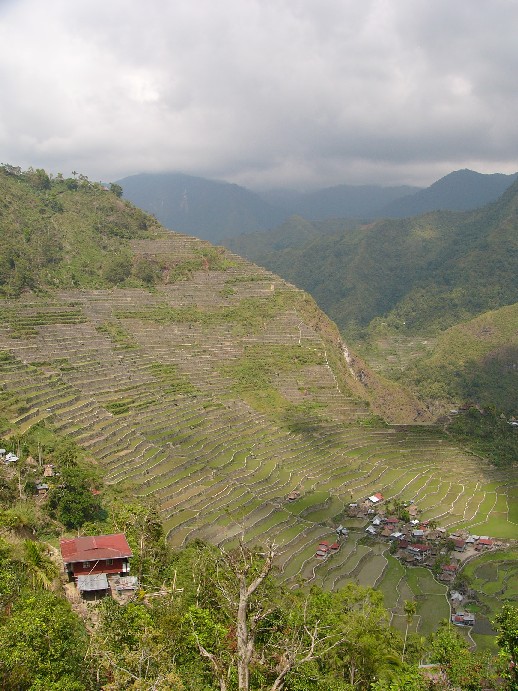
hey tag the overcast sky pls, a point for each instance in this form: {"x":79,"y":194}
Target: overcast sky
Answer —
{"x":298,"y":93}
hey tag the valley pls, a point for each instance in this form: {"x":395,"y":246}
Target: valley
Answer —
{"x":221,"y":394}
{"x":258,"y":347}
{"x":216,"y":397}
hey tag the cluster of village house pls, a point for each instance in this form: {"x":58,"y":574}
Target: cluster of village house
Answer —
{"x":415,"y":542}
{"x":45,"y":470}
{"x":418,"y":542}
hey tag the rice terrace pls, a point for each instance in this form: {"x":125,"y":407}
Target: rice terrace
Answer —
{"x":226,"y":396}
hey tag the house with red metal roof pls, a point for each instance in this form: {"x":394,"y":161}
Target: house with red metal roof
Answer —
{"x":419,"y":551}
{"x":375,"y":498}
{"x":87,"y":558}
{"x":483,"y":543}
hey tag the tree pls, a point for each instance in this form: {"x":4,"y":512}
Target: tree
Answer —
{"x":130,"y":652}
{"x":38,"y":565}
{"x":42,"y":645}
{"x":447,"y":645}
{"x":38,"y":179}
{"x":72,"y":502}
{"x":507,"y":626}
{"x":116,"y":189}
{"x":408,"y":679}
{"x":117,"y":269}
{"x":9,"y":578}
{"x":463,"y":669}
{"x":66,"y":453}
{"x":145,"y":271}
{"x":367,"y":649}
{"x":235,"y":579}
{"x":142,"y":526}
{"x":410,"y":608}
{"x":244,"y":623}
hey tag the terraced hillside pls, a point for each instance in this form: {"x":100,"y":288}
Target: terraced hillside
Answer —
{"x":219,"y":395}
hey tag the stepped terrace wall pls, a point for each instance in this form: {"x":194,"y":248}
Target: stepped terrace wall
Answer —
{"x":218,"y":394}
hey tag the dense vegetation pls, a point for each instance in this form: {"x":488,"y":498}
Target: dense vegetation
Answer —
{"x":51,"y":238}
{"x":472,"y":361}
{"x":488,"y":433}
{"x":203,"y":618}
{"x":61,"y":232}
{"x":425,"y":272}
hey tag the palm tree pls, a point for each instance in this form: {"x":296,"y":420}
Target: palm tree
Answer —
{"x":38,"y":565}
{"x":410,"y":608}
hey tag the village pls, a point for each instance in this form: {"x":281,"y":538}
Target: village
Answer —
{"x":417,"y":542}
{"x":98,"y":566}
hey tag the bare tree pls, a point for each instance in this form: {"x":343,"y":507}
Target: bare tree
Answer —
{"x":240,"y":578}
{"x":246,"y":625}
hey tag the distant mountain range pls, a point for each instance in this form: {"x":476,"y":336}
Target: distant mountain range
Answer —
{"x":214,"y":210}
{"x":436,"y":268}
{"x":461,"y":190}
{"x":342,"y":201}
{"x":208,"y":209}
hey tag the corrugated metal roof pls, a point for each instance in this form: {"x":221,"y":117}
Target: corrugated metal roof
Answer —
{"x":90,"y":548}
{"x":96,"y":581}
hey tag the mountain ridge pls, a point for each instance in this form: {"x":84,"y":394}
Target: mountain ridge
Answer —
{"x":215,"y":209}
{"x":197,"y":206}
{"x":402,"y":278}
{"x":423,"y":253}
{"x":461,"y":190}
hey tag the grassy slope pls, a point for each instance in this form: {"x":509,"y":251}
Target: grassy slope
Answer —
{"x":475,"y":360}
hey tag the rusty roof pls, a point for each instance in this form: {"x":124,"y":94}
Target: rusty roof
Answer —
{"x":90,"y":548}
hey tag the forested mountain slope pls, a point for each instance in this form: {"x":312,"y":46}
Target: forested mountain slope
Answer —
{"x":427,"y":271}
{"x":208,"y":209}
{"x":429,"y":301}
{"x":461,"y":190}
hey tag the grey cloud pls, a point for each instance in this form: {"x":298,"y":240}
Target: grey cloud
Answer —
{"x":260,"y":91}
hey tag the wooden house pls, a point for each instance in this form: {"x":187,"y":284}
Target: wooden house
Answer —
{"x":48,"y":470}
{"x":459,"y":545}
{"x":94,"y":555}
{"x":42,"y":488}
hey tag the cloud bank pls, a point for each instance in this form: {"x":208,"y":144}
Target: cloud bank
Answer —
{"x":261,"y":92}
